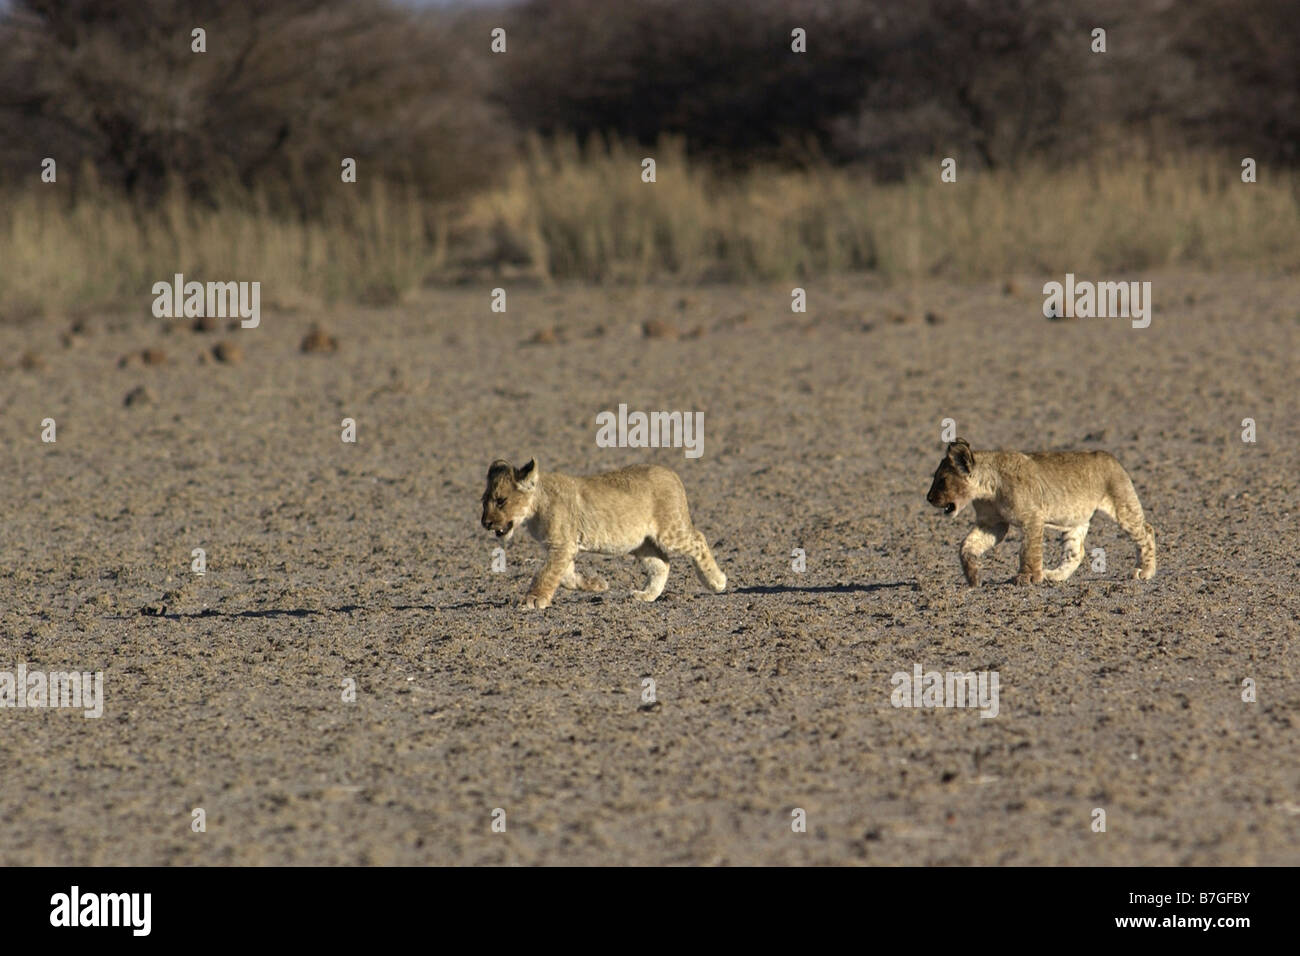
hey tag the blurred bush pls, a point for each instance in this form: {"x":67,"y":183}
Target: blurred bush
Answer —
{"x":719,"y":73}
{"x":771,"y":163}
{"x":887,"y":84}
{"x":289,"y":87}
{"x":1245,"y":60}
{"x":286,"y":89}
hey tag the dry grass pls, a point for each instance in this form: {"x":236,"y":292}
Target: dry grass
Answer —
{"x":589,"y":215}
{"x":586,"y":215}
{"x":100,"y":251}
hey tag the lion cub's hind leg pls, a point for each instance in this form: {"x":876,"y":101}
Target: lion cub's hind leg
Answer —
{"x":655,"y":563}
{"x":692,"y":544}
{"x":1147,"y":553}
{"x":574,"y":580}
{"x":1127,"y":511}
{"x":1144,"y":536}
{"x":1073,"y":555}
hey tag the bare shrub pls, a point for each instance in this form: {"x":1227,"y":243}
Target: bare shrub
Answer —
{"x":286,"y":89}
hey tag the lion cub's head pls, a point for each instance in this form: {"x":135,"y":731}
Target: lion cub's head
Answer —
{"x":509,"y":498}
{"x":952,"y":489}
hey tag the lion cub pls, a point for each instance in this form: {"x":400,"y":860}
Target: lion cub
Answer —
{"x":1055,"y":490}
{"x":639,"y":510}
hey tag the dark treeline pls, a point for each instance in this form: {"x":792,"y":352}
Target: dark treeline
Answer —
{"x":286,"y":88}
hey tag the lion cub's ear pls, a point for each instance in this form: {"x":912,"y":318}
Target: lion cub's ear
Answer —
{"x":526,"y":477}
{"x":961,"y":456}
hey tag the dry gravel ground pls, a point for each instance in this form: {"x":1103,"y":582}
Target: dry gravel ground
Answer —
{"x":329,"y":562}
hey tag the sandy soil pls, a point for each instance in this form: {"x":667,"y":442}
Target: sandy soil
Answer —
{"x":330,"y":562}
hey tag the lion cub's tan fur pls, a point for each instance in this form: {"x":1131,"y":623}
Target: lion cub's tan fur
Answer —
{"x":639,"y":510}
{"x":1057,"y":491}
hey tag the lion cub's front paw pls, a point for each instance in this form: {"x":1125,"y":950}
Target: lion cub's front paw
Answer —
{"x":1141,"y":575}
{"x":594,"y":583}
{"x":535,"y":602}
{"x":1027,"y":577}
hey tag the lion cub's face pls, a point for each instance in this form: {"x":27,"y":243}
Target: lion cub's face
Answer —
{"x":952,"y":489}
{"x":509,"y":498}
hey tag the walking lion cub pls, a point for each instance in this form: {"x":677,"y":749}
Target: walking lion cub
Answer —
{"x":1059,"y":491}
{"x":639,"y":510}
